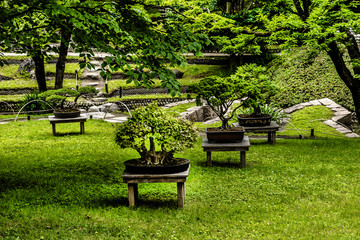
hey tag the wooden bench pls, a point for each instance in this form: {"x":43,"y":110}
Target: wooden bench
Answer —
{"x":270,"y":130}
{"x":132,"y":180}
{"x":242,"y":147}
{"x":54,"y":120}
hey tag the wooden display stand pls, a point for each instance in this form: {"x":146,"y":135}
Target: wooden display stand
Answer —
{"x":242,"y":147}
{"x":132,"y":180}
{"x":54,"y":120}
{"x":270,"y":130}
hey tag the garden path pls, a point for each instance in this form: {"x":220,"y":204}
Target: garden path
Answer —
{"x":342,"y":116}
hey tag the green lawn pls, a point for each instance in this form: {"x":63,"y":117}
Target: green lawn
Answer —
{"x":69,"y":187}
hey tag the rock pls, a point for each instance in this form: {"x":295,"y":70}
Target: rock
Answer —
{"x":100,"y":94}
{"x":92,"y":84}
{"x":100,"y":99}
{"x":326,"y":101}
{"x":178,"y":74}
{"x":32,"y":75}
{"x":200,"y":114}
{"x":114,"y":108}
{"x":208,"y":113}
{"x":93,"y":109}
{"x":26,"y":66}
{"x":293,"y":108}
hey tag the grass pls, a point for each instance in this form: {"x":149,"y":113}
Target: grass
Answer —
{"x":301,"y":122}
{"x":69,"y":187}
{"x":16,"y":98}
{"x":21,"y":81}
{"x":27,"y":83}
{"x":192,"y":75}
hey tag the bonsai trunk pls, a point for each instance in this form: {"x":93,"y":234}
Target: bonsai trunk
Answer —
{"x":63,"y":51}
{"x":225,"y":123}
{"x":40,"y":71}
{"x":257,"y":111}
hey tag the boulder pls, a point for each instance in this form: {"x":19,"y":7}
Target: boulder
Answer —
{"x":178,"y":74}
{"x":26,"y":66}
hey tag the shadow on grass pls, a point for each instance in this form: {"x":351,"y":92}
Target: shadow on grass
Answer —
{"x":234,"y":163}
{"x":63,"y":134}
{"x":157,"y":204}
{"x":112,"y":202}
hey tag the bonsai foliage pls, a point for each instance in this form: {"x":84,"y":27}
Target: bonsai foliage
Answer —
{"x":249,"y":83}
{"x":256,"y":84}
{"x":59,"y":96}
{"x":155,"y":134}
{"x":220,"y":93}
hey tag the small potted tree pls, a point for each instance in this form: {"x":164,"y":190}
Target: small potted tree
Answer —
{"x":59,"y":96}
{"x":220,"y":93}
{"x":258,"y":89}
{"x":156,"y":136}
{"x":247,"y":85}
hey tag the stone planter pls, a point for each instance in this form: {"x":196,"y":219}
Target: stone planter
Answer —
{"x":235,"y":134}
{"x":136,"y":166}
{"x":248,"y":120}
{"x":67,"y":113}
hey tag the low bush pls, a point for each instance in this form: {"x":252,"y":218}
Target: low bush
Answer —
{"x":307,"y":74}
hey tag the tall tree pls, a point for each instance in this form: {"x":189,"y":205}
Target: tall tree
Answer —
{"x":252,"y":26}
{"x":329,"y":25}
{"x":126,"y":30}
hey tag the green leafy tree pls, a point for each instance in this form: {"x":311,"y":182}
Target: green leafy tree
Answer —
{"x":253,"y":26}
{"x":126,"y":30}
{"x":22,"y":29}
{"x":329,"y":25}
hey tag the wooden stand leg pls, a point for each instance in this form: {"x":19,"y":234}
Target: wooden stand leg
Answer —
{"x":133,"y":193}
{"x":273,"y":137}
{"x":82,"y":127}
{"x":208,"y":158}
{"x":269,"y":137}
{"x":53,"y":129}
{"x":181,"y":194}
{"x":242,"y":159}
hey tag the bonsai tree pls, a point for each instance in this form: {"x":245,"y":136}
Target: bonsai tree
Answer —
{"x":59,"y":96}
{"x":249,"y":84}
{"x":155,"y":135}
{"x":257,"y":85}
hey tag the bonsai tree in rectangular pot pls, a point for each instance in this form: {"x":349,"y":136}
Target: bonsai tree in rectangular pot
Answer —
{"x":258,"y":88}
{"x":220,"y":93}
{"x":248,"y":85}
{"x":156,"y":136}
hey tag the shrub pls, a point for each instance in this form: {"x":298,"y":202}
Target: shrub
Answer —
{"x":33,"y":102}
{"x":307,"y":74}
{"x":155,"y":134}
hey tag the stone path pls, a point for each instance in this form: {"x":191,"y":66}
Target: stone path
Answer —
{"x":91,"y":77}
{"x":341,"y":115}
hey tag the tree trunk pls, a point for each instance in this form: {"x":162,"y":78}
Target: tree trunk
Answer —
{"x":345,"y":74}
{"x":356,"y":98}
{"x":40,"y":71}
{"x":60,"y":65}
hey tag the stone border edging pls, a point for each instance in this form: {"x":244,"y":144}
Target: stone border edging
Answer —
{"x":341,"y":115}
